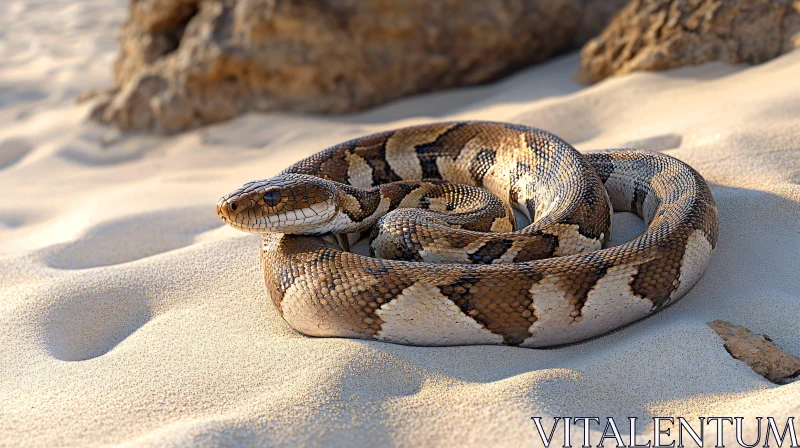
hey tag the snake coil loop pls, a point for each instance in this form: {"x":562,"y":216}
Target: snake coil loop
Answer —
{"x":547,"y":284}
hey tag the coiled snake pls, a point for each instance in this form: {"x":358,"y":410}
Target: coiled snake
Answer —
{"x":451,"y":282}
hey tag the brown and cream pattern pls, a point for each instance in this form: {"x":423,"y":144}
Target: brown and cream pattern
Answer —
{"x":448,"y":266}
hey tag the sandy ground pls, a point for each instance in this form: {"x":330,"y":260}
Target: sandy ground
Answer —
{"x":129,"y":315}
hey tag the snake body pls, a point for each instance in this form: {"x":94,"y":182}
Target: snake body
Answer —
{"x":547,"y":284}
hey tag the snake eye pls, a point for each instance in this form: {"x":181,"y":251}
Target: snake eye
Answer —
{"x":272,"y":197}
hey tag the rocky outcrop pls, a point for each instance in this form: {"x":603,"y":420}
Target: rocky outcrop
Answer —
{"x":757,"y":351}
{"x":656,"y":35}
{"x":185,"y":63}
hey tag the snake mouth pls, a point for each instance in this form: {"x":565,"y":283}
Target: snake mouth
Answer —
{"x":242,"y":226}
{"x":301,"y":221}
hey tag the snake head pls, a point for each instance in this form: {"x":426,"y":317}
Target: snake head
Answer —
{"x":288,"y":203}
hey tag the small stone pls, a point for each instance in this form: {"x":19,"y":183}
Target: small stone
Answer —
{"x":758,"y":352}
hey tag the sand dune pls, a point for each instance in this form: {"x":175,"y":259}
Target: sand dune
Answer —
{"x":129,"y":315}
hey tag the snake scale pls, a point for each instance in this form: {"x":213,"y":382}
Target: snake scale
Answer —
{"x":449,"y":268}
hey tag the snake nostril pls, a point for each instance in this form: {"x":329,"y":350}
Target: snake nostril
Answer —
{"x":233,"y":206}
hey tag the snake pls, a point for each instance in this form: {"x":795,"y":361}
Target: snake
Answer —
{"x":447,"y":263}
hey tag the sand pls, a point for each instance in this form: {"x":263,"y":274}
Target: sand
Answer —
{"x":130,"y":316}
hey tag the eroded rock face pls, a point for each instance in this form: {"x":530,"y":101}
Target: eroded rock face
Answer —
{"x":758,"y":352}
{"x":184,"y":63}
{"x":651,"y":35}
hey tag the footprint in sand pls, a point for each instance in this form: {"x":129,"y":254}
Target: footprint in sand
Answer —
{"x":12,"y":151}
{"x":11,"y":96}
{"x":97,"y":147}
{"x":135,"y":237}
{"x":12,"y":218}
{"x":92,"y":319}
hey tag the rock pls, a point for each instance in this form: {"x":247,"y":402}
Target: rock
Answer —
{"x":185,"y":63}
{"x":651,"y":35}
{"x":757,"y":351}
